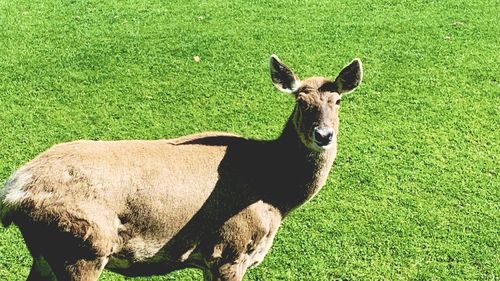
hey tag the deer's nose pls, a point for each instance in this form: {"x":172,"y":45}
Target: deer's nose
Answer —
{"x":323,"y":136}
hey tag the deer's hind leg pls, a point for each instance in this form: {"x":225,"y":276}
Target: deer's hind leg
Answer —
{"x":73,"y":250}
{"x":62,"y":263}
{"x":41,"y":270}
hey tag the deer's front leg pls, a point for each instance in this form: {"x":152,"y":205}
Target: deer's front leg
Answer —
{"x":243,"y":241}
{"x":229,"y":272}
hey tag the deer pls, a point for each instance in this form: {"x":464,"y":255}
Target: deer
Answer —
{"x":212,"y":201}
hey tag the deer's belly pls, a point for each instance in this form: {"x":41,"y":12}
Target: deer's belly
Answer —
{"x":151,"y":259}
{"x":243,"y":240}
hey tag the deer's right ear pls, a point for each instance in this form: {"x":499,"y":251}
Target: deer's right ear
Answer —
{"x":283,"y":78}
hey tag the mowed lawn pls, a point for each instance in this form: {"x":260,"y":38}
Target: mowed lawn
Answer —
{"x":414,"y":193}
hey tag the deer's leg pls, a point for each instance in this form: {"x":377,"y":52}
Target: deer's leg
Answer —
{"x":208,"y":275}
{"x":78,"y":269}
{"x":40,"y":270}
{"x":229,"y":272}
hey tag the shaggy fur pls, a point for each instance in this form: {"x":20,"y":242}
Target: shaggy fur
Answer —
{"x":212,"y":200}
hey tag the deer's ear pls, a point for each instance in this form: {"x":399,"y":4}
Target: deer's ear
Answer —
{"x":349,"y":77}
{"x":283,"y":78}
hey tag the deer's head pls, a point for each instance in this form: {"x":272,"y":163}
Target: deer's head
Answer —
{"x":316,"y":114}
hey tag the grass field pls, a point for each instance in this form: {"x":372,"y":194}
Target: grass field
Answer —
{"x":414,"y":194}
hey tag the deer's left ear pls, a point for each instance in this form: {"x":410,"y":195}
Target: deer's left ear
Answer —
{"x":349,"y":77}
{"x":283,"y":78}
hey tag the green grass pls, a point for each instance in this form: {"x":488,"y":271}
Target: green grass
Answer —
{"x":414,"y":194}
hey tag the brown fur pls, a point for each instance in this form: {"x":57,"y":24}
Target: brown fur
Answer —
{"x":212,"y":200}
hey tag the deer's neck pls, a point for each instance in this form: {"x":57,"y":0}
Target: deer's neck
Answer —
{"x":303,"y":171}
